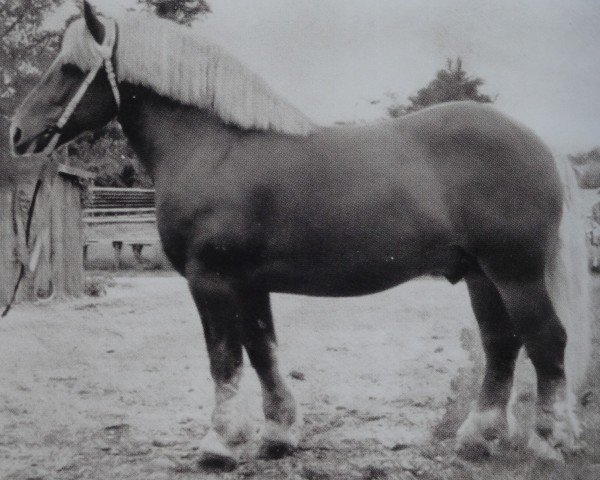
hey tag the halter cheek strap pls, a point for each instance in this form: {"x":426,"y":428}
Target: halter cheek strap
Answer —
{"x":103,"y":58}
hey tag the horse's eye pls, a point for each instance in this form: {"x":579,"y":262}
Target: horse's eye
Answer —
{"x":71,"y":69}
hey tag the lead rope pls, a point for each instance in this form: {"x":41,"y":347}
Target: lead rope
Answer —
{"x":30,"y":211}
{"x":105,"y":53}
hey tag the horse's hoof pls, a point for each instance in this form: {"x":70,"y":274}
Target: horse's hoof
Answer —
{"x":480,"y":434}
{"x":214,"y":454}
{"x":556,"y":433}
{"x":473,"y":451}
{"x":214,"y":461}
{"x":277,"y":441}
{"x":543,"y":450}
{"x":274,"y":449}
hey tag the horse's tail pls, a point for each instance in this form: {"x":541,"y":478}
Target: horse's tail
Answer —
{"x":569,"y":281}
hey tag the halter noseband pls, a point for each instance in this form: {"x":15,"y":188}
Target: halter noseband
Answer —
{"x":103,"y":54}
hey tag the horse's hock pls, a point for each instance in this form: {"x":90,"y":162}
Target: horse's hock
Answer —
{"x":53,"y":256}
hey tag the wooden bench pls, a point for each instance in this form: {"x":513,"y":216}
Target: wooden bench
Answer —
{"x":120,"y":216}
{"x":136,"y":247}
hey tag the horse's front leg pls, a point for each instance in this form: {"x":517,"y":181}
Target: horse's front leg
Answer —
{"x":258,"y":337}
{"x":233,"y":316}
{"x":221,"y":320}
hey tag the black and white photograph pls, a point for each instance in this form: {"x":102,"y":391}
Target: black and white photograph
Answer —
{"x":299,"y":239}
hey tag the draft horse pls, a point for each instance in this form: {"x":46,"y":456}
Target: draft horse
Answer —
{"x":253,"y":198}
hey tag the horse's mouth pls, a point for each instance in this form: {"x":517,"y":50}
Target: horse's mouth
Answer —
{"x":35,"y":145}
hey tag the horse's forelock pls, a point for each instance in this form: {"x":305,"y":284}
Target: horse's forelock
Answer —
{"x":78,"y":46}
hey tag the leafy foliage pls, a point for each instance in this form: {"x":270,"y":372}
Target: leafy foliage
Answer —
{"x":587,"y":166}
{"x":25,"y":47}
{"x":180,"y":11}
{"x":107,"y":153}
{"x":586,"y":158}
{"x":449,"y":84}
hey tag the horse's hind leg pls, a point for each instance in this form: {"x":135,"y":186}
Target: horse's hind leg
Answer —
{"x":529,"y":305}
{"x":487,"y":420}
{"x":258,"y":337}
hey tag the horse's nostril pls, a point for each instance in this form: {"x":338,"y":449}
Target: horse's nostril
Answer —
{"x":16,"y":136}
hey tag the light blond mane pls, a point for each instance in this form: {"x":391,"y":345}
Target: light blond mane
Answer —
{"x":180,"y":64}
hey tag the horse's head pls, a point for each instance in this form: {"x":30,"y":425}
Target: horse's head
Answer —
{"x":75,"y":94}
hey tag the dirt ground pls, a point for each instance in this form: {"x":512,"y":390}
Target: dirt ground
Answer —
{"x":117,"y":387}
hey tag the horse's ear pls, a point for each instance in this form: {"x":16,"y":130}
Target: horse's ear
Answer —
{"x":94,"y":25}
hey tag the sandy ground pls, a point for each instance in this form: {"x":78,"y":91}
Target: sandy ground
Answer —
{"x":118,"y":387}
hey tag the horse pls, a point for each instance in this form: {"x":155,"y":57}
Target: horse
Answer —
{"x":253,"y":198}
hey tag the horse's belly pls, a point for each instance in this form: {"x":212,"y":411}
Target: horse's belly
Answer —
{"x":332,"y":284}
{"x":346,"y":277}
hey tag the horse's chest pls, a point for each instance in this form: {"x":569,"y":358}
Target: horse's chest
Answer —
{"x":174,"y":223}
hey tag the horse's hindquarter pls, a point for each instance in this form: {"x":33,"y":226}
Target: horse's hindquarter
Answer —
{"x":502,"y":186}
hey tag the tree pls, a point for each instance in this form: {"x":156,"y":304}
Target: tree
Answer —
{"x":107,"y":153}
{"x":25,"y":47}
{"x":449,"y":84}
{"x":586,"y":158}
{"x":587,"y":167}
{"x":180,"y":11}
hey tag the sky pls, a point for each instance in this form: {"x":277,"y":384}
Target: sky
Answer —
{"x":334,"y":59}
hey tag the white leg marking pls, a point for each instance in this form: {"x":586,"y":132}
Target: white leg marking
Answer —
{"x":226,"y":418}
{"x":476,"y":435}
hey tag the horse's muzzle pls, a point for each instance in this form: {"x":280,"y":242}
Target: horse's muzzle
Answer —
{"x":25,"y":147}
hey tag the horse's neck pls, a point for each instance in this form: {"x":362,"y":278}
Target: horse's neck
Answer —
{"x":165,"y":133}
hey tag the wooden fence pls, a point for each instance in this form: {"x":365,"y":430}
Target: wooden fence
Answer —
{"x":119,"y":205}
{"x":120,"y":216}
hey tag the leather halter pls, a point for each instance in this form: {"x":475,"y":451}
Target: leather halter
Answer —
{"x":103,"y":54}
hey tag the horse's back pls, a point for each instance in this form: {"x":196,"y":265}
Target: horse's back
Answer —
{"x":464,"y":160}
